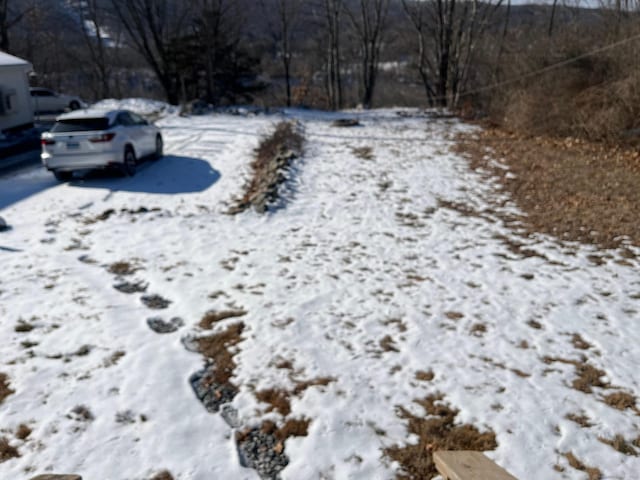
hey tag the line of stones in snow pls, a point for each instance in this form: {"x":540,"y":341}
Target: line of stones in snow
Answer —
{"x":257,"y":449}
{"x":271,"y":167}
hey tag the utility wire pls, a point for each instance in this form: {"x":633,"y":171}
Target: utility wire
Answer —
{"x":549,"y":68}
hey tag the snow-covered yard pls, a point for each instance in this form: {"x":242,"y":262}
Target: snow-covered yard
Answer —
{"x":388,"y":278}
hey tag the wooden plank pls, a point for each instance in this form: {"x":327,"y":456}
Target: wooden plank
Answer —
{"x":467,"y":465}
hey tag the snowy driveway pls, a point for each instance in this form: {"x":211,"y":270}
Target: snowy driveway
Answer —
{"x":389,"y":262}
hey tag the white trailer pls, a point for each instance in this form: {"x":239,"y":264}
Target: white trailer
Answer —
{"x":16,"y":109}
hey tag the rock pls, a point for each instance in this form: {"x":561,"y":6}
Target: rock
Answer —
{"x":131,"y":287}
{"x":155,"y":302}
{"x":158,"y":325}
{"x":212,"y":395}
{"x":230,"y":415}
{"x":263,"y":452}
{"x":346,"y":122}
{"x":3,"y":225}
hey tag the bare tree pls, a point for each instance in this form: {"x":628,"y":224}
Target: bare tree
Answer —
{"x":287,"y":13}
{"x":153,"y":26}
{"x":448,"y":34}
{"x":332,"y":19}
{"x":99,"y":41}
{"x":552,"y":17}
{"x":8,"y":19}
{"x":417,"y":14}
{"x":218,"y":25}
{"x":369,"y":23}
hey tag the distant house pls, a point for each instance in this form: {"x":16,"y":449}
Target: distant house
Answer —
{"x":16,"y":110}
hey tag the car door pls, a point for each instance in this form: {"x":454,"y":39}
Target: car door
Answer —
{"x":147,"y":133}
{"x":48,"y":101}
{"x":132,"y":131}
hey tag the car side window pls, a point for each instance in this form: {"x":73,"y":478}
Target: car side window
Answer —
{"x":137,"y":119}
{"x":124,"y":119}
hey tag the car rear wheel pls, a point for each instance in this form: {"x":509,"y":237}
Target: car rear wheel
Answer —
{"x":129,"y":164}
{"x":62,"y":176}
{"x":159,"y":148}
{"x":74,"y":105}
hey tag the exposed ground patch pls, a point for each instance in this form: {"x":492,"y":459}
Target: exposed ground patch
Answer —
{"x":7,"y":452}
{"x":437,"y":430}
{"x":273,"y":158}
{"x":212,"y":317}
{"x":592,"y":472}
{"x":5,"y":391}
{"x":587,"y":376}
{"x":570,"y":189}
{"x":123,"y":268}
{"x":212,"y":384}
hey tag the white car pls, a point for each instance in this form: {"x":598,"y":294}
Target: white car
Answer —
{"x":45,"y":100}
{"x":89,"y":139}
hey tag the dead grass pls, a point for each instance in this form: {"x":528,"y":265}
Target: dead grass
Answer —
{"x":290,"y":428}
{"x":478,"y":329}
{"x":425,"y":375}
{"x":592,"y":473}
{"x":581,"y":419}
{"x":7,"y":452}
{"x":162,"y":475}
{"x":23,"y":432}
{"x":568,"y":188}
{"x":534,"y":324}
{"x":620,"y":444}
{"x":122,"y":268}
{"x":277,"y":399}
{"x":23,"y":327}
{"x":436,"y":431}
{"x":388,"y":344}
{"x":218,"y":348}
{"x":303,"y":385}
{"x":365,"y":153}
{"x":578,"y":342}
{"x":212,"y":317}
{"x":587,"y":376}
{"x":5,"y":391}
{"x":621,"y":401}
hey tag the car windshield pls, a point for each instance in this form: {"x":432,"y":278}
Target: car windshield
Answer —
{"x":80,"y":125}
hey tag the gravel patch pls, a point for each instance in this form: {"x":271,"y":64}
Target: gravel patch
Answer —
{"x":155,"y":302}
{"x":212,"y":394}
{"x":263,"y":452}
{"x":131,"y":287}
{"x":158,"y":325}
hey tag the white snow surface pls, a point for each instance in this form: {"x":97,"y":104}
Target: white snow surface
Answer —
{"x":363,"y":249}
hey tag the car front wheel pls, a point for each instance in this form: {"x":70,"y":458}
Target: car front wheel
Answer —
{"x":62,"y":176}
{"x":129,"y":164}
